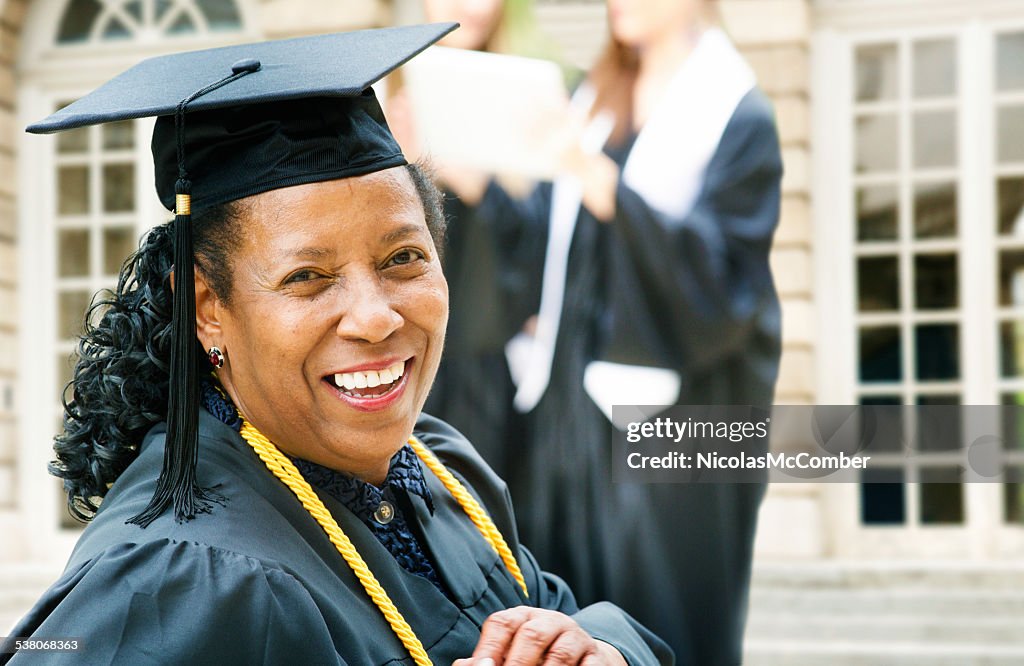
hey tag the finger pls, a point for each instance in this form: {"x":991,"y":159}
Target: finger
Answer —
{"x":498,"y":631}
{"x":570,"y":648}
{"x":535,"y":637}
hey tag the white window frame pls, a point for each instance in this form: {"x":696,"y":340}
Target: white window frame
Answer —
{"x":49,"y":74}
{"x":840,"y":25}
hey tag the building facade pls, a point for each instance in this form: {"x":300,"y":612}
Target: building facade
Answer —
{"x":897,"y":258}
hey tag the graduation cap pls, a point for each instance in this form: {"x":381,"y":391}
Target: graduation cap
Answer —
{"x":233,"y":122}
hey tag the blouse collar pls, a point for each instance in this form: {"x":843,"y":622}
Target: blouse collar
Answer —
{"x":361,"y":498}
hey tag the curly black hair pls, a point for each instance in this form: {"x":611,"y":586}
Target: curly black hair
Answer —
{"x":119,"y":388}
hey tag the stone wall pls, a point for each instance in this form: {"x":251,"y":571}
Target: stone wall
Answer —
{"x":291,"y":18}
{"x":774,"y":36}
{"x":12,"y":13}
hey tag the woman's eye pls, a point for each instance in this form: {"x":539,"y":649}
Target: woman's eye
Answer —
{"x":301,"y":276}
{"x":406,"y":257}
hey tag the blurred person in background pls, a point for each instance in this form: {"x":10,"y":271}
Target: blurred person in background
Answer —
{"x":656,"y":289}
{"x":473,"y":390}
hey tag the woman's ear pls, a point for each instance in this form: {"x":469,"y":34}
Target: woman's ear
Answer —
{"x":208,"y":311}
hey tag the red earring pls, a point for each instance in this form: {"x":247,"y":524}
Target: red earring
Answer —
{"x":216,"y":357}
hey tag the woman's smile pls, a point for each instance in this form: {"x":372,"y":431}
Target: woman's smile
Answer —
{"x":371,"y":387}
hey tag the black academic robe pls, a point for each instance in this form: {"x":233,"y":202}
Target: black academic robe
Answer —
{"x":473,"y":389}
{"x":694,"y":295}
{"x":258,"y":582}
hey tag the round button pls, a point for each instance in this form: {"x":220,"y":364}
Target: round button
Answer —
{"x":385,"y":513}
{"x":245,"y":65}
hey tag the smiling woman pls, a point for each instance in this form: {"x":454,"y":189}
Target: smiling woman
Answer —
{"x":280,"y":498}
{"x":331,"y":279}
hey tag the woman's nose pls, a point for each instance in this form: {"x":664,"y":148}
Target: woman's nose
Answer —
{"x":369,"y":313}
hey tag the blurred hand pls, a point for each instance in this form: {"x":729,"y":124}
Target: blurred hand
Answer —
{"x":597,"y":172}
{"x":526,"y":636}
{"x":403,"y":125}
{"x":467,"y":184}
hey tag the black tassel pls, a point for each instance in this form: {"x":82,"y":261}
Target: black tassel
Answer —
{"x":177,"y":485}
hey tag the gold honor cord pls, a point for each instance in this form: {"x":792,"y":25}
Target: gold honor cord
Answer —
{"x":285,"y":470}
{"x":473,"y":509}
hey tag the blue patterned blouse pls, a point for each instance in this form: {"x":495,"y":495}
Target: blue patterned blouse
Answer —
{"x":378,"y":508}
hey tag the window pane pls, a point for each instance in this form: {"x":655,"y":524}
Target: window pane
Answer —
{"x":943,"y":428}
{"x":935,"y":281}
{"x":934,"y":139}
{"x":65,"y":370}
{"x":935,"y":210}
{"x":118,"y":243}
{"x":73,"y":141}
{"x":935,"y":68}
{"x":881,"y":354}
{"x":73,"y":252}
{"x":1009,"y":59}
{"x":942,"y":497}
{"x":118,"y":188}
{"x":220,"y":14}
{"x":877,"y":73}
{"x":938,"y":351}
{"x":1013,"y":421}
{"x":161,"y":8}
{"x":134,"y":9}
{"x":73,"y":190}
{"x":1010,"y":134}
{"x":1011,"y":348}
{"x":118,"y":135}
{"x":1013,"y":498}
{"x":877,"y":213}
{"x":887,"y":423}
{"x":77,"y":20}
{"x":71,"y":307}
{"x":116,"y":30}
{"x":182,"y":25}
{"x":882,"y":497}
{"x":1010,"y":203}
{"x":878,"y":286}
{"x":877,"y":139}
{"x":1011,"y":277}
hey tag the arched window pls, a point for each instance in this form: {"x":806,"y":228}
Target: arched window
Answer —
{"x":86,"y":21}
{"x":88,"y":194}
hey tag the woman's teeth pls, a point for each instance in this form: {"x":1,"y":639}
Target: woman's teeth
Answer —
{"x":369,"y":378}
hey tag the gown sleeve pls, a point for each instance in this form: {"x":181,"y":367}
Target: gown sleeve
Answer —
{"x":518,"y":227}
{"x":706,"y":276}
{"x":174,"y":602}
{"x":603,"y":621}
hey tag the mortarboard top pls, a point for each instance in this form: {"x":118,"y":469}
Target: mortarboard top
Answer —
{"x":295,"y":113}
{"x":233,"y":122}
{"x":337,"y":65}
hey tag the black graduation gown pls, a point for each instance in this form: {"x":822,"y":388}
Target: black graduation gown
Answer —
{"x":695,"y":296}
{"x":473,"y":390}
{"x":258,"y":582}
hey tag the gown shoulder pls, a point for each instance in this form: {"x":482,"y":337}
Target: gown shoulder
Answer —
{"x":167,"y":601}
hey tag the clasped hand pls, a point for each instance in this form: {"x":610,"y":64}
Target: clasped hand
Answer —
{"x":526,"y":636}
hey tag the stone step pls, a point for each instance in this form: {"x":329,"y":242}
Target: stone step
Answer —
{"x":21,"y":585}
{"x":886,"y":573}
{"x":928,"y":602}
{"x":887,"y":627}
{"x":28,"y":575}
{"x":768,"y":652}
